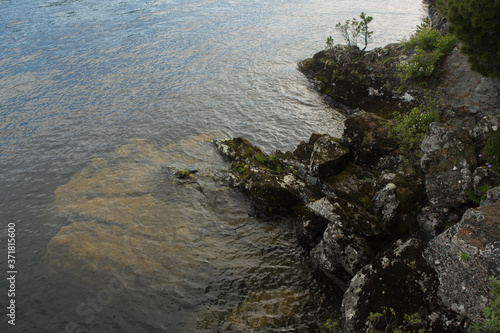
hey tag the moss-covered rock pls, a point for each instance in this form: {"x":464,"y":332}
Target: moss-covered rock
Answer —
{"x":397,"y":284}
{"x":272,"y":188}
{"x":348,"y":216}
{"x":328,"y":157}
{"x":367,"y":136}
{"x":357,"y":79}
{"x":354,"y":184}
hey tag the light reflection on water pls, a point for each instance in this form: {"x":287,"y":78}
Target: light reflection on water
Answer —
{"x":80,"y":79}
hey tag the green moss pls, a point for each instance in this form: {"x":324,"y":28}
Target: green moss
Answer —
{"x":183,"y":173}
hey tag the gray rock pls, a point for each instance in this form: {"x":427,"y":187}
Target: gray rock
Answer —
{"x":328,"y":157}
{"x":448,"y":163}
{"x":465,"y":256}
{"x":438,"y":21}
{"x":341,"y":254}
{"x":385,"y":204}
{"x":483,"y":180}
{"x":401,"y":280}
{"x":348,"y":216}
{"x":488,"y":124}
{"x":492,"y":196}
{"x":433,"y":220}
{"x":466,"y":95}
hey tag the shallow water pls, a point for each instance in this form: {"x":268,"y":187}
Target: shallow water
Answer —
{"x":100,"y":103}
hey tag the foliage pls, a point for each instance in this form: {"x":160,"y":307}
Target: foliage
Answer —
{"x":410,"y":128}
{"x":351,"y":30}
{"x":270,"y":161}
{"x":430,"y":48}
{"x":492,"y":312}
{"x":476,"y":25}
{"x":329,"y":44}
{"x":332,"y":326}
{"x":492,"y":151}
{"x":410,"y":323}
{"x":475,"y":198}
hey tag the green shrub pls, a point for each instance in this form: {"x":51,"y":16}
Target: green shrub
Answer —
{"x":418,"y":68}
{"x":476,"y":25}
{"x":476,"y":199}
{"x":425,"y":38}
{"x":388,"y":319}
{"x":492,"y":312}
{"x":410,"y":128}
{"x":430,"y":48}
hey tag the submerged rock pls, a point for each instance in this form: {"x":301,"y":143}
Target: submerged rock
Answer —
{"x":465,"y":256}
{"x":266,"y":309}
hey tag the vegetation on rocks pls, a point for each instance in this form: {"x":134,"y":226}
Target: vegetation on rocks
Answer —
{"x":372,"y":203}
{"x":409,"y":128}
{"x":476,"y":25}
{"x":430,"y":47}
{"x":352,"y":30}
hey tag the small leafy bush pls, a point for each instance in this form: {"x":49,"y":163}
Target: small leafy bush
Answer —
{"x":352,"y":30}
{"x":476,"y":199}
{"x":410,"y":322}
{"x":410,"y":128}
{"x":492,"y":313}
{"x":430,"y":48}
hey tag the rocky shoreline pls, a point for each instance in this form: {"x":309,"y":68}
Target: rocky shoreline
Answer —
{"x":399,"y":235}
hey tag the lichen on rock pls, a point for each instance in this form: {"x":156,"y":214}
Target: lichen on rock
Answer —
{"x":465,"y":256}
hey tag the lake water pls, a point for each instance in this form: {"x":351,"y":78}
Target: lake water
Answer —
{"x":101,"y":102}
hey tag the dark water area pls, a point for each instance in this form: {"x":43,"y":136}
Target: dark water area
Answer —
{"x":101,"y":102}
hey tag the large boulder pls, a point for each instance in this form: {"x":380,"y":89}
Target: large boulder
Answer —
{"x":385,"y":204}
{"x":341,"y":254}
{"x":448,"y":163}
{"x":367,"y":136}
{"x":348,"y":216}
{"x":328,"y":157}
{"x":356,"y":79}
{"x":397,"y":284}
{"x":465,"y":256}
{"x":272,"y":189}
{"x":354,"y":184}
{"x":344,"y":247}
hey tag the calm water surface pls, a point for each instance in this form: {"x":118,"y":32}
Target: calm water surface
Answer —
{"x":101,"y":102}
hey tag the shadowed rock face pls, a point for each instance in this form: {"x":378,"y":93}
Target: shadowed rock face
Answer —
{"x":398,"y":279}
